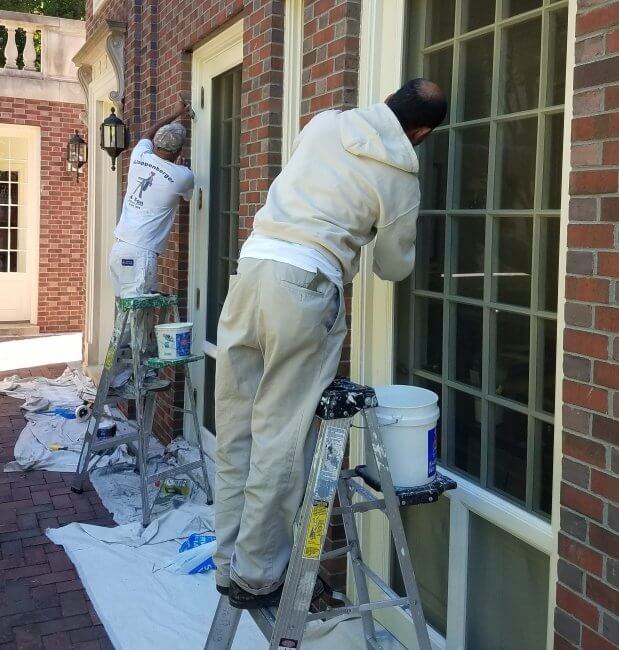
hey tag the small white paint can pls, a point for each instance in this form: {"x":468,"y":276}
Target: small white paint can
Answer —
{"x":408,"y":418}
{"x":107,"y":429}
{"x":173,"y":340}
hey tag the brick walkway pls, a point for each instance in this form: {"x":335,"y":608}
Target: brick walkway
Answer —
{"x":42,"y":601}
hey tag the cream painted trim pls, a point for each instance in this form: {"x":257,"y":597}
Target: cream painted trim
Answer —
{"x":221,"y":53}
{"x":33,"y":207}
{"x":293,"y":54}
{"x":558,"y":429}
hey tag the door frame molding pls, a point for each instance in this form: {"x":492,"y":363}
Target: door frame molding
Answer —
{"x":32,"y":134}
{"x":221,"y":53}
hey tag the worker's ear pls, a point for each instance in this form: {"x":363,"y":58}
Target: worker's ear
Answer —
{"x":418,"y":134}
{"x":389,"y":96}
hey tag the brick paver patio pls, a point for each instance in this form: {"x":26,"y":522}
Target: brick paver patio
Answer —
{"x":42,"y":601}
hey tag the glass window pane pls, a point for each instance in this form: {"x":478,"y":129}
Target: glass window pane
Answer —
{"x":476,"y":56}
{"x":427,"y":532}
{"x":512,"y":260}
{"x":520,"y":52}
{"x":429,"y":335}
{"x":440,"y":23}
{"x":509,"y":452}
{"x":549,"y":263}
{"x":557,"y":47}
{"x":12,"y":262}
{"x":465,"y":426}
{"x":547,"y":358}
{"x":468,"y":329}
{"x":516,"y":142}
{"x":4,"y":215}
{"x":468,"y":235}
{"x":553,"y":157}
{"x":514,"y":7}
{"x":471,"y":167}
{"x":477,"y":13}
{"x":438,"y":67}
{"x":430,"y":262}
{"x":15,"y":216}
{"x":209,"y":394}
{"x":404,"y":332}
{"x":4,"y":262}
{"x":511,"y":356}
{"x":507,"y":591}
{"x":14,"y":193}
{"x":542,"y":479}
{"x":433,"y":171}
{"x":4,"y":238}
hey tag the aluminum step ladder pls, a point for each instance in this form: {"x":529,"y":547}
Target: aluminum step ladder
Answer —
{"x":284,"y":626}
{"x":137,"y":314}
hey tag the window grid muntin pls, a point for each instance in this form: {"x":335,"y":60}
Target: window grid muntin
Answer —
{"x":536,"y":417}
{"x":12,"y":191}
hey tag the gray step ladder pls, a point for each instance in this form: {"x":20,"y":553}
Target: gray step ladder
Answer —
{"x":284,"y":626}
{"x":137,"y":314}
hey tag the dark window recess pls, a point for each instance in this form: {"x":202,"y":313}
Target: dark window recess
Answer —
{"x":223,"y":243}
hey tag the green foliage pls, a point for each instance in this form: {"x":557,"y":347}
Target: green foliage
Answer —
{"x":61,"y":8}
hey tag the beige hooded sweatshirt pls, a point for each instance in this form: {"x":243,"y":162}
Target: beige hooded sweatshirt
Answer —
{"x":352,"y":177}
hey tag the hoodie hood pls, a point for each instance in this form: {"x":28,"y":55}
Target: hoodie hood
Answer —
{"x":374,"y":132}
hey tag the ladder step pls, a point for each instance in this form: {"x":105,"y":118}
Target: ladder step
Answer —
{"x":351,"y":610}
{"x":115,"y":441}
{"x":149,"y":301}
{"x":173,"y":471}
{"x":338,"y":552}
{"x":156,"y":362}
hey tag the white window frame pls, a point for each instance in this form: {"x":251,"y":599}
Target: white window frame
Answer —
{"x":221,"y":53}
{"x":373,"y":331}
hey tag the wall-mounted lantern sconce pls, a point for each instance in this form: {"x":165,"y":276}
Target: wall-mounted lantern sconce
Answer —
{"x":113,"y":136}
{"x":77,"y":155}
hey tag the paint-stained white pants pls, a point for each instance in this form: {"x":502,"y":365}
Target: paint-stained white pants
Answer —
{"x":133,"y":272}
{"x":279,"y":343}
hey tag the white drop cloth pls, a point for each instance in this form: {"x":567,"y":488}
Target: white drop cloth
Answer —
{"x":144,"y":607}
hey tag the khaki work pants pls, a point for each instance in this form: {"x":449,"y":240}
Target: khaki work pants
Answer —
{"x":279,"y":343}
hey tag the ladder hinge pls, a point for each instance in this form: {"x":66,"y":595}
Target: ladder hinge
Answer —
{"x":202,"y":97}
{"x":198,"y":298}
{"x":200,"y":199}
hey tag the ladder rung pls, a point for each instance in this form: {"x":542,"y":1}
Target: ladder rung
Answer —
{"x":173,"y":471}
{"x":361,"y":506}
{"x":351,"y":610}
{"x":377,"y":580}
{"x":114,"y":441}
{"x":338,"y":552}
{"x":264,"y":619}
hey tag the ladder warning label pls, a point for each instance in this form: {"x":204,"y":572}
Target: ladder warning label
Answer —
{"x":315,"y":530}
{"x":285,"y":644}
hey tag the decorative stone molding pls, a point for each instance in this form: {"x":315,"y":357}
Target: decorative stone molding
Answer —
{"x":108,"y":38}
{"x":84,"y":76}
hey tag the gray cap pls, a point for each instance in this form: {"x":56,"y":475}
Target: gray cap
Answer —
{"x":170,"y":137}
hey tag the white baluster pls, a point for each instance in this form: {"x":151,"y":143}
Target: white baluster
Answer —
{"x":10,"y":51}
{"x":30,"y":54}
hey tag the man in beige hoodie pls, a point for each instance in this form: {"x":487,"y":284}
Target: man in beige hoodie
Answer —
{"x":352,"y":178}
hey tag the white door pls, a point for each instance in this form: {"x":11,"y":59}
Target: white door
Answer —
{"x":214,"y":212}
{"x":19,"y":205}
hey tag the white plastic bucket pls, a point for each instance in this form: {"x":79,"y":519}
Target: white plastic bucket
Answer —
{"x":407,"y":416}
{"x":174,"y":340}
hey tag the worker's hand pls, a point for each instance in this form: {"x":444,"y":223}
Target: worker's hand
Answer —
{"x":182,"y":109}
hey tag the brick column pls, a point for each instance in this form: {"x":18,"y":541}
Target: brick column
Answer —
{"x":329,"y":81}
{"x":588,"y":571}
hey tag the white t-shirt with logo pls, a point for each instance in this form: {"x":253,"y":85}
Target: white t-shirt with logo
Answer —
{"x":154,"y":186}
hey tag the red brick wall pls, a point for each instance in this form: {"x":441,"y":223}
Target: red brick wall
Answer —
{"x":62,"y":238}
{"x":329,"y":81}
{"x":587,"y":592}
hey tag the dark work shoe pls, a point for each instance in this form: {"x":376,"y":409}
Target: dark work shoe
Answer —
{"x":224,"y":591}
{"x":242,"y":599}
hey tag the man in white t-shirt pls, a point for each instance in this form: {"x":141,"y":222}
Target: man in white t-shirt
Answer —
{"x":155,"y":183}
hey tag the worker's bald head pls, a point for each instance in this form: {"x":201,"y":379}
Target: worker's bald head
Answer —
{"x":420,"y":106}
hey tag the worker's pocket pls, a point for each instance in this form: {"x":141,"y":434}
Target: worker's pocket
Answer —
{"x":335,"y":310}
{"x":306,"y":282}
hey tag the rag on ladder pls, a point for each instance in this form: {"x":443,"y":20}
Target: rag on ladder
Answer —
{"x":136,"y":313}
{"x":284,"y":627}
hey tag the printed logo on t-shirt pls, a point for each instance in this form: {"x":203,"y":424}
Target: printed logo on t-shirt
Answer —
{"x":127,"y":262}
{"x":143,"y":184}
